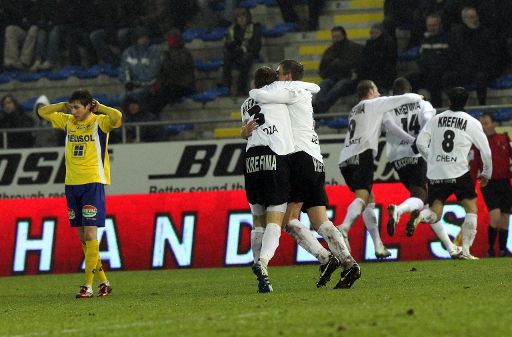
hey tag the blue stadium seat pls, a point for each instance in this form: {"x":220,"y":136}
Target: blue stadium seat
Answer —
{"x":63,"y":73}
{"x":503,"y":115}
{"x":92,"y":72}
{"x":29,"y":77}
{"x":28,"y":105}
{"x":409,"y":54}
{"x":248,"y":3}
{"x":268,"y":3}
{"x":60,"y":99}
{"x":504,"y":82}
{"x":210,"y":65}
{"x":5,"y":78}
{"x":279,"y":29}
{"x":474,"y":113}
{"x":338,"y":123}
{"x":217,"y":34}
{"x":191,"y":33}
{"x":174,"y":129}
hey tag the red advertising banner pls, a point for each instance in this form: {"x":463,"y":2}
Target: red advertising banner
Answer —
{"x":194,"y":230}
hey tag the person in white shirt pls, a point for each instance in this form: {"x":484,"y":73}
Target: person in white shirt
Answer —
{"x":356,"y":157}
{"x":267,"y":173}
{"x":445,"y":143}
{"x":307,"y":174}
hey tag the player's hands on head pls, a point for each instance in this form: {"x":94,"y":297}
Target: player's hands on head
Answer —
{"x":94,"y":105}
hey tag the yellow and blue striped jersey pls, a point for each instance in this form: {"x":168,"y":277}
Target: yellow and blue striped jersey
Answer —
{"x":87,"y":158}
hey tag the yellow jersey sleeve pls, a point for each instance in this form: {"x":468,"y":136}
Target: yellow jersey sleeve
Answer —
{"x":54,"y":113}
{"x":111,"y":120}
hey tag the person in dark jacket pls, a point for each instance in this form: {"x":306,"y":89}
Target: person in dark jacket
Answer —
{"x":337,"y":70}
{"x":379,"y":57}
{"x":242,"y":47}
{"x":13,"y":117}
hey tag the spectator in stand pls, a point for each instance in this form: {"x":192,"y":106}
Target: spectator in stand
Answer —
{"x":338,"y":70}
{"x":49,"y":136}
{"x":242,"y":47}
{"x":379,"y":57}
{"x":473,"y":56}
{"x":176,"y":78}
{"x":134,"y":113}
{"x":433,"y":60}
{"x":20,"y":34}
{"x":498,"y":192}
{"x":11,"y":117}
{"x":114,"y":37}
{"x":407,"y":16}
{"x":290,"y":15}
{"x":140,"y":65}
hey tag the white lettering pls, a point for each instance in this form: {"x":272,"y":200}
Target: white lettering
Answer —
{"x":24,"y":244}
{"x":165,"y":233}
{"x":235,"y":224}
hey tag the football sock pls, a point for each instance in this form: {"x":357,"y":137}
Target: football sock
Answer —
{"x":503,"y":239}
{"x":441,"y":233}
{"x":428,"y":216}
{"x":269,"y":243}
{"x":353,"y":211}
{"x":492,"y":233}
{"x":410,"y":205}
{"x":92,"y":253}
{"x":336,"y":243}
{"x":306,"y":240}
{"x":102,"y":277}
{"x":370,"y":220}
{"x":256,"y":237}
{"x":468,"y":231}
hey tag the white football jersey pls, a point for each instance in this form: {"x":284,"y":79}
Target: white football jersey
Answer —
{"x":445,"y":143}
{"x":275,"y":133}
{"x":365,"y":121}
{"x":297,"y":95}
{"x":411,"y":118}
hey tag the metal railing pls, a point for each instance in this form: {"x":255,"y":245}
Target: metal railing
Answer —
{"x":210,"y":123}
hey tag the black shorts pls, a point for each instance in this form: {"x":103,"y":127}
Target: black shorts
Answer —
{"x":267,"y":176}
{"x":358,"y":171}
{"x":307,"y":181}
{"x":440,"y":189}
{"x":412,"y":171}
{"x":498,"y":194}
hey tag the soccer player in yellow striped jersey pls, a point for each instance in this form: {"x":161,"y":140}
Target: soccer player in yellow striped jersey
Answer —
{"x":87,"y":124}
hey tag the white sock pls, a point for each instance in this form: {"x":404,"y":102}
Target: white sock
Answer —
{"x":409,"y":205}
{"x":336,"y":243}
{"x":269,"y":243}
{"x":370,"y":221}
{"x":353,"y":211}
{"x":468,"y":231}
{"x":256,"y":237}
{"x":306,"y":240}
{"x":441,"y":233}
{"x":428,"y":216}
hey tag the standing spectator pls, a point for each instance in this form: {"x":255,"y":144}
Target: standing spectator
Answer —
{"x":378,"y":62}
{"x":176,"y":78}
{"x":498,"y":192}
{"x":12,"y":117}
{"x":473,"y":55}
{"x":337,"y":70}
{"x":242,"y":47}
{"x":140,"y":65}
{"x":433,"y":62}
{"x":290,"y":15}
{"x":20,"y":34}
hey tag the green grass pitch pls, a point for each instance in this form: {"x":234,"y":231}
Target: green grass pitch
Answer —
{"x":428,"y":298}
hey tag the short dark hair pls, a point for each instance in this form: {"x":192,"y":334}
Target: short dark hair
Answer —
{"x":458,"y":97}
{"x":339,"y":29}
{"x":264,"y":76}
{"x":293,"y":67}
{"x":490,"y":115}
{"x":81,"y":95}
{"x":364,"y":87}
{"x":401,"y":86}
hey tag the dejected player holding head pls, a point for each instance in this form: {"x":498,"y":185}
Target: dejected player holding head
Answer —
{"x":87,"y":124}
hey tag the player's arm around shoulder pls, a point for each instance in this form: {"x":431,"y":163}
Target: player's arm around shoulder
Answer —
{"x":113,"y":117}
{"x":55,"y":113}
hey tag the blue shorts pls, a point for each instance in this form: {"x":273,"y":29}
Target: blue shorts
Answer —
{"x":86,"y":204}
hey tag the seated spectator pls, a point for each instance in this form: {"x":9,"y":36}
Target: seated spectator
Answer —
{"x":140,"y":65}
{"x":433,"y":60}
{"x":242,"y":47}
{"x":11,"y":117}
{"x":290,"y":15}
{"x":20,"y":35}
{"x":133,"y":113}
{"x":379,"y":57}
{"x":473,"y":56}
{"x":51,"y":136}
{"x":337,"y":70}
{"x":176,"y":78}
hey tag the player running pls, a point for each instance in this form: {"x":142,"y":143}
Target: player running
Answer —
{"x":445,"y":143}
{"x":87,"y":129}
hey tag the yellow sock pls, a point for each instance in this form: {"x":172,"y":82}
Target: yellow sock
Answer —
{"x":99,"y":268}
{"x":92,"y":254}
